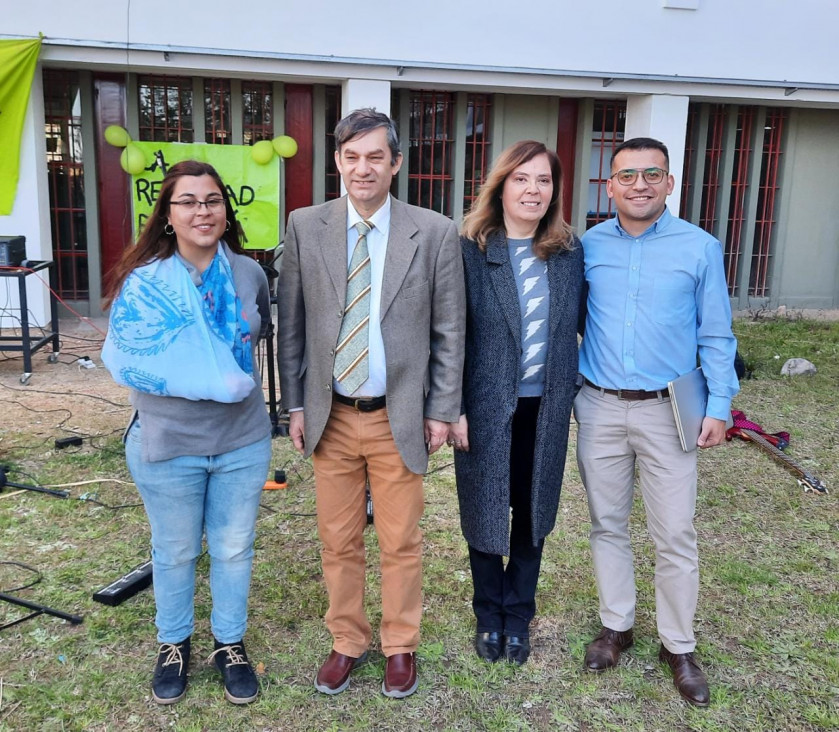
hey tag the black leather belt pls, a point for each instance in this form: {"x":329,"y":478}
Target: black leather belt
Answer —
{"x":361,"y":404}
{"x":631,"y":395}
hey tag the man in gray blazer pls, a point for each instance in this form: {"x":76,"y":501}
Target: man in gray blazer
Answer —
{"x":370,"y":345}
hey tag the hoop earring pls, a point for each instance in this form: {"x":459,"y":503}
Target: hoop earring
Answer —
{"x":227,"y":228}
{"x":168,"y":229}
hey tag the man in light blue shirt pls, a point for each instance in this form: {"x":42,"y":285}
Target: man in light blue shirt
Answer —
{"x":657,"y":300}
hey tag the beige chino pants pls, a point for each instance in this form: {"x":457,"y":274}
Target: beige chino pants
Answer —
{"x":614,"y":438}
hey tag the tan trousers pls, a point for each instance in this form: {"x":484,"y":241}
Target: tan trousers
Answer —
{"x":614,"y":437}
{"x":357,"y":446}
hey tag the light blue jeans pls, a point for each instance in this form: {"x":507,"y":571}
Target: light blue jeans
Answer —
{"x":184,"y":498}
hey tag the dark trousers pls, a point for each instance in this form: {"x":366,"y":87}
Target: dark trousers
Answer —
{"x":504,"y":598}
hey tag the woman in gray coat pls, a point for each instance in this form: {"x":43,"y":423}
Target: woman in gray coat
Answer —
{"x":524,"y":289}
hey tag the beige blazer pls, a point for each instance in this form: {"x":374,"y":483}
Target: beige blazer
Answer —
{"x":422,"y":319}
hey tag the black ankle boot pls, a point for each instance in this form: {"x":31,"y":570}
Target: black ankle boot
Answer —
{"x":240,"y":683}
{"x":488,"y":646}
{"x":517,"y":648}
{"x":169,"y":681}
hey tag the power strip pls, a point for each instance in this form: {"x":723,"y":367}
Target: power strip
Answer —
{"x":126,"y":586}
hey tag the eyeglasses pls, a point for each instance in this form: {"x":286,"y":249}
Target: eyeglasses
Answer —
{"x":628,"y":176}
{"x":214,"y":205}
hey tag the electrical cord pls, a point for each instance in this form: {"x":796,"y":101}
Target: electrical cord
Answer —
{"x":64,"y":395}
{"x":59,"y":299}
{"x":85,"y":497}
{"x":36,"y":572}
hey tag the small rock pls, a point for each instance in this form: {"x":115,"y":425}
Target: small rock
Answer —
{"x":797,"y":366}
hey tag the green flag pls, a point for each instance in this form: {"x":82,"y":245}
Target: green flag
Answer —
{"x":17,"y":67}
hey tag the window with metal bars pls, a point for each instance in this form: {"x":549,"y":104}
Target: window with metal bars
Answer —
{"x":257,"y":111}
{"x":477,"y":146}
{"x":217,"y":129}
{"x":727,"y":198}
{"x":690,"y":159}
{"x":63,"y":129}
{"x":762,"y":248}
{"x":333,"y":115}
{"x":712,"y":172}
{"x":430,"y":150}
{"x":607,"y":133}
{"x":165,"y":108}
{"x":737,"y":197}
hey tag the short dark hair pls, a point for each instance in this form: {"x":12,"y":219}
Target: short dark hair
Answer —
{"x":360,"y":121}
{"x":641,"y":143}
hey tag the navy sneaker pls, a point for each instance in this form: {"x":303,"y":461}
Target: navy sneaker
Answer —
{"x":169,"y":681}
{"x":240,"y":683}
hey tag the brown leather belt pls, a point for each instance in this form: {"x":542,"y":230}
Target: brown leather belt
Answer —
{"x":631,"y":395}
{"x":361,"y":404}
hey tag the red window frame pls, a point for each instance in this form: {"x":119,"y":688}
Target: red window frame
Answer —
{"x":65,"y":172}
{"x":768,"y":186}
{"x":431,"y":148}
{"x":689,"y":161}
{"x":478,"y":109}
{"x":332,"y":111}
{"x":713,"y":159}
{"x":165,"y":108}
{"x":739,"y":188}
{"x":257,"y":111}
{"x":217,"y":123}
{"x":608,"y":127}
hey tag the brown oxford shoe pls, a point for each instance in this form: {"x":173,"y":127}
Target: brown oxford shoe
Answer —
{"x":687,"y":677}
{"x":400,"y":675}
{"x":334,"y":675}
{"x":605,"y":650}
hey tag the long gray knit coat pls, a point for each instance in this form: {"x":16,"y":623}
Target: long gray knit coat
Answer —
{"x":490,"y":391}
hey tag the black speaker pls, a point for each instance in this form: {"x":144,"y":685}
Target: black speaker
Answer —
{"x":12,"y":250}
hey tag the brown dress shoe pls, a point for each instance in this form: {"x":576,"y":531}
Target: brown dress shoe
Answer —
{"x":687,"y":677}
{"x":400,"y":676}
{"x":334,"y":675}
{"x":605,"y":650}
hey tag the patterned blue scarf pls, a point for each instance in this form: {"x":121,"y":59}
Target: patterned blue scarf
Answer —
{"x":170,"y":338}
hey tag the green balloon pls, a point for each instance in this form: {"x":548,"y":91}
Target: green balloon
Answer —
{"x":132,"y":159}
{"x":117,"y":136}
{"x":262,"y":152}
{"x":285,"y":146}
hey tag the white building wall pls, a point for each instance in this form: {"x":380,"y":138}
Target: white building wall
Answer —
{"x":30,"y":217}
{"x":789,"y":45}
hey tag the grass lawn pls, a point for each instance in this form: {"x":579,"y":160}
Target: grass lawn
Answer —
{"x":767,"y":623}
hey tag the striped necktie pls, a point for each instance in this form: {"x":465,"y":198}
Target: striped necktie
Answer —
{"x":351,"y":367}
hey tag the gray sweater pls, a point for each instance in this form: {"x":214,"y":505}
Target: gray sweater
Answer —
{"x":173,"y":427}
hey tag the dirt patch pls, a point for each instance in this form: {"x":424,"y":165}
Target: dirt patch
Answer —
{"x":61,"y":398}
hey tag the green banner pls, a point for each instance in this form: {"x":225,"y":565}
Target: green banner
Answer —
{"x":254,"y":189}
{"x":17,"y":67}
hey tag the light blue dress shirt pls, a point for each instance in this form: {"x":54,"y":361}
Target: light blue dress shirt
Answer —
{"x":656,"y":301}
{"x":376,"y":383}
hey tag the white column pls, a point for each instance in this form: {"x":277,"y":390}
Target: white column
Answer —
{"x":358,"y":93}
{"x":30,"y":215}
{"x":664,"y":118}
